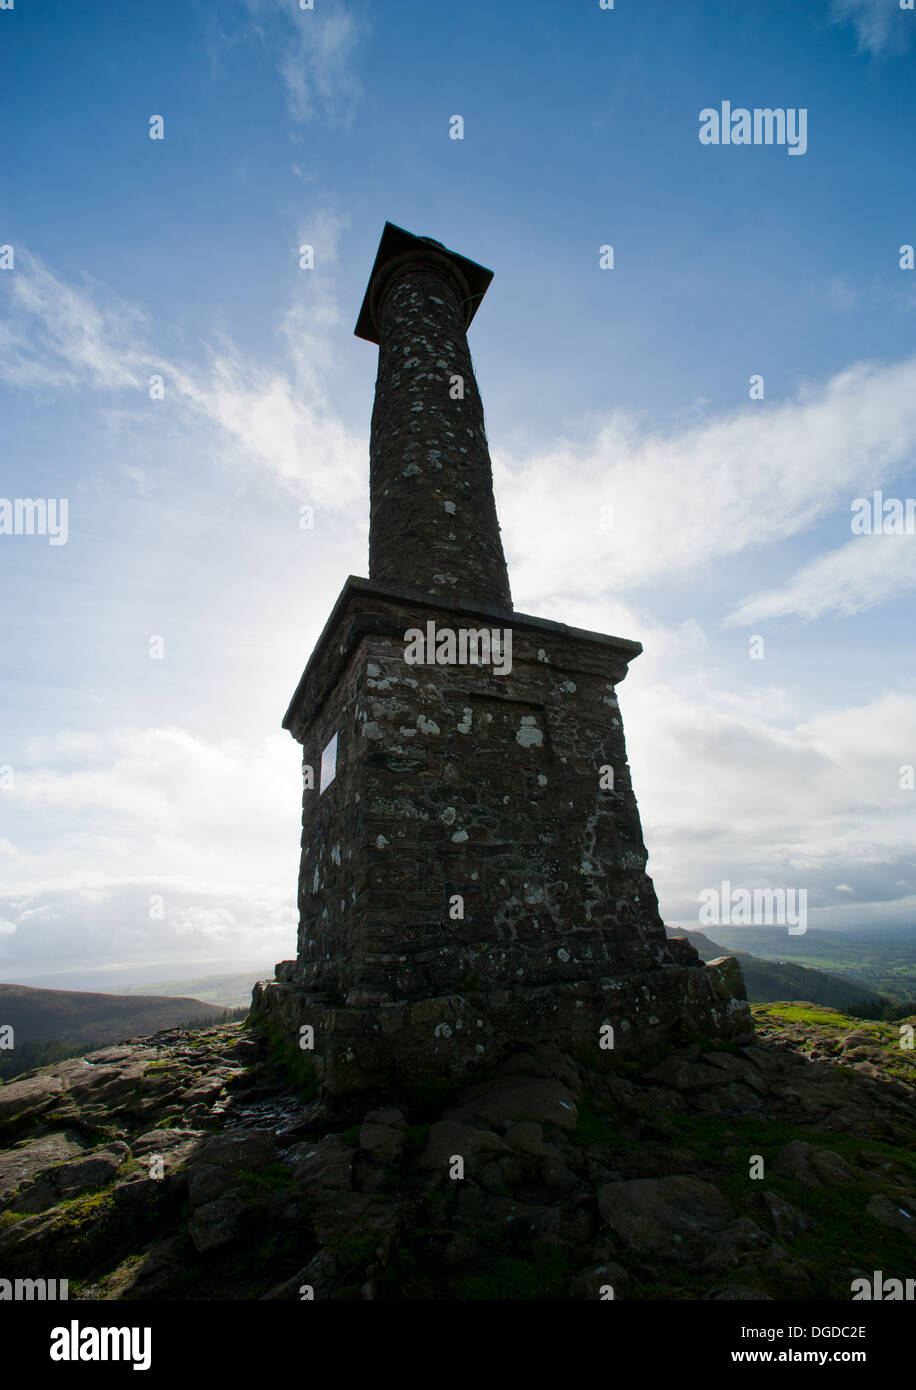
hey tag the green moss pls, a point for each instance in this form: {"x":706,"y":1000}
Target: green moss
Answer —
{"x":399,"y":1274}
{"x":799,"y":1013}
{"x":77,"y":1212}
{"x":591,"y":1128}
{"x":354,"y":1252}
{"x":292,"y":1063}
{"x":543,"y":1274}
{"x":274,"y":1178}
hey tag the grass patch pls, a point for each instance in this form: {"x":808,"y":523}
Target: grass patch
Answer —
{"x":274,"y":1178}
{"x":77,"y":1213}
{"x":897,"y":1062}
{"x":798,"y":1013}
{"x":289,"y":1059}
{"x":841,"y":1235}
{"x":591,"y":1128}
{"x":543,"y":1274}
{"x":354,"y":1252}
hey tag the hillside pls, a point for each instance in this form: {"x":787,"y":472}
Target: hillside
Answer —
{"x":226,"y":991}
{"x":767,"y":981}
{"x":77,"y":1018}
{"x":882,"y":960}
{"x":200,"y":1165}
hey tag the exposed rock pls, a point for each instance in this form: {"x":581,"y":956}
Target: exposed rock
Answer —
{"x":217,"y":1223}
{"x":383,"y":1141}
{"x":83,"y":1174}
{"x":787,"y":1222}
{"x":881,"y":1209}
{"x":578,"y":1177}
{"x":686,"y":1076}
{"x":19,"y":1166}
{"x":651,"y":1215}
{"x":517,"y":1097}
{"x":450,"y":1138}
{"x":811,"y":1165}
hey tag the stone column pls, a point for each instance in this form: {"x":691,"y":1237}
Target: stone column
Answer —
{"x":433,"y":525}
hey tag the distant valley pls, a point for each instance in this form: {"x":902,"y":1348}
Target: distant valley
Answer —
{"x":48,"y":1024}
{"x":881,"y":960}
{"x":829,"y":968}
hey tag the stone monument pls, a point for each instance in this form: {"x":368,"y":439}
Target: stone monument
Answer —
{"x":473,"y":874}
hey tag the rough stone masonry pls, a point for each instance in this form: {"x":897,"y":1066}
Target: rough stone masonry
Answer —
{"x":473,"y":874}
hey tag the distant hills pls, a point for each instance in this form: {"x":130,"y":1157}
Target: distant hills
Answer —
{"x":77,"y":1018}
{"x":768,"y":981}
{"x":229,"y":991}
{"x":880,"y":960}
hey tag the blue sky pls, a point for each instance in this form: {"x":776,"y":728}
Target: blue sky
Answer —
{"x":135,"y":778}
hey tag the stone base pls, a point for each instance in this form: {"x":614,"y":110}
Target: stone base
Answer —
{"x":362,"y":1049}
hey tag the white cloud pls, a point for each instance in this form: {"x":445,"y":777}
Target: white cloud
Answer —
{"x":318,"y":68}
{"x":863,"y":573}
{"x":715,"y":487}
{"x":211,"y":828}
{"x":739,"y":482}
{"x":62,"y":336}
{"x":175,"y":798}
{"x":314,"y":51}
{"x":279,"y":422}
{"x":881,"y":25}
{"x":727,"y":792}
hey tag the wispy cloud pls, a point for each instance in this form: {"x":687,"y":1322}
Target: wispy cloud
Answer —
{"x":881,"y":25}
{"x":315,"y":53}
{"x":280,"y":421}
{"x":739,"y":482}
{"x":736,"y":482}
{"x":868,"y":570}
{"x":58,"y":335}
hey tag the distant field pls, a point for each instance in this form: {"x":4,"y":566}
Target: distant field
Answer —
{"x":776,"y":980}
{"x":228,"y":991}
{"x":884,"y":961}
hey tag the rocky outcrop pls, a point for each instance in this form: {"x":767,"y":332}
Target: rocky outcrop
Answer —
{"x":189,"y":1166}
